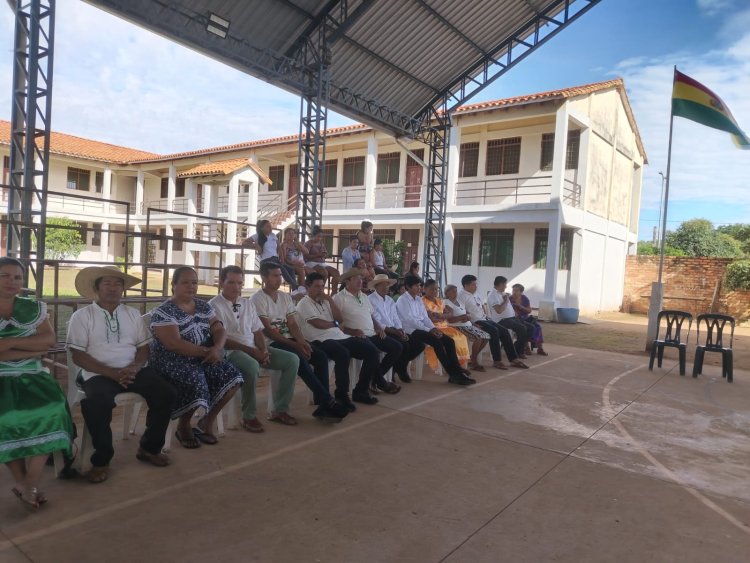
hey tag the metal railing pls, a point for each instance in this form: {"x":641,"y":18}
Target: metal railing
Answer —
{"x":344,"y":198}
{"x":243,"y":203}
{"x":534,"y":189}
{"x":397,"y":197}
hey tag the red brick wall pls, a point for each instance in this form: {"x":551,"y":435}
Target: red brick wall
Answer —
{"x":689,"y":285}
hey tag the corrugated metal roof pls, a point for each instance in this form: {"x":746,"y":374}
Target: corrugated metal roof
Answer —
{"x":386,"y":56}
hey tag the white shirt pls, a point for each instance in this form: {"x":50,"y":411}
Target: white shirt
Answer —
{"x":348,"y":257}
{"x":270,"y":248}
{"x":240,"y":319}
{"x":458,"y":310}
{"x":308,"y":309}
{"x":277,"y":312}
{"x":496,"y":298}
{"x":111,"y":339}
{"x":356,"y":310}
{"x":385,"y":310}
{"x":473,"y":305}
{"x":413,"y":314}
{"x":379,"y":259}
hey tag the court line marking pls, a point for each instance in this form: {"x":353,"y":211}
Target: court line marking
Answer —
{"x":14,"y":542}
{"x":668,"y":473}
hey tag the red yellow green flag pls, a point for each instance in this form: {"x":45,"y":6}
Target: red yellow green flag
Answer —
{"x":692,"y":100}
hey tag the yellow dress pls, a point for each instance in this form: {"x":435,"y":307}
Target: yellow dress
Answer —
{"x":462,"y":344}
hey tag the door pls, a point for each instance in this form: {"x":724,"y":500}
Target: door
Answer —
{"x":411,"y":252}
{"x":199,"y":198}
{"x":413,"y":186}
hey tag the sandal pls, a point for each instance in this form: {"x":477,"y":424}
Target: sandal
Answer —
{"x":205,"y":437}
{"x":189,"y":443}
{"x":252,"y":425}
{"x":476,"y":366}
{"x":519,"y":364}
{"x":282,"y":418}
{"x":389,"y":387}
{"x":29,"y":497}
{"x":499,"y":365}
{"x":98,"y":475}
{"x":542,"y":352}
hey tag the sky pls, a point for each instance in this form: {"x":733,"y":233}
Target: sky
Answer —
{"x":118,"y":83}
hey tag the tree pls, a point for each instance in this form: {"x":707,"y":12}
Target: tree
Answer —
{"x":646,"y":248}
{"x":740,"y":232}
{"x":697,"y":237}
{"x":63,"y":242}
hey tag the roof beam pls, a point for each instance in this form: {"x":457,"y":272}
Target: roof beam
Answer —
{"x":434,"y":13}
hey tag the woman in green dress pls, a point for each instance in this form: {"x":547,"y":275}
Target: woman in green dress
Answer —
{"x":34,"y":416}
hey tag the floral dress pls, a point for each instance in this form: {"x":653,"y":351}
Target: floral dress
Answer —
{"x":458,"y":337}
{"x":34,"y":415}
{"x":198,"y":385}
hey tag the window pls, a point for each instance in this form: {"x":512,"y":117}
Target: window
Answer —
{"x":388,"y":168}
{"x":496,"y":248}
{"x":503,"y":156}
{"x":96,"y":237}
{"x":468,"y":161}
{"x":179,"y":187}
{"x":276,"y":173}
{"x":463,"y":240}
{"x":540,"y":248}
{"x":78,"y":179}
{"x":329,"y":173}
{"x":354,"y":171}
{"x":99,"y":182}
{"x":162,"y":240}
{"x":177,"y":244}
{"x":571,"y":155}
{"x":164,"y":188}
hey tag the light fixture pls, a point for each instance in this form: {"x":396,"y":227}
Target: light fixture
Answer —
{"x":217,"y":25}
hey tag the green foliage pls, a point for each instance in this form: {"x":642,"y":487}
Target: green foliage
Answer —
{"x":64,"y":242}
{"x":646,"y":248}
{"x":740,"y":232}
{"x":394,"y":253}
{"x":737,"y":275}
{"x":697,"y":237}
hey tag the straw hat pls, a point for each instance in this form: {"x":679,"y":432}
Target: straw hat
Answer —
{"x":350,"y":274}
{"x":86,"y":278}
{"x":380,"y":278}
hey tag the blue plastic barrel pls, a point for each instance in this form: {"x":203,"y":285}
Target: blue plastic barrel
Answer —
{"x":567,"y":315}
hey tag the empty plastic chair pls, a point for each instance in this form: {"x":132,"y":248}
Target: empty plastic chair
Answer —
{"x":672,"y":337}
{"x":715,"y":324}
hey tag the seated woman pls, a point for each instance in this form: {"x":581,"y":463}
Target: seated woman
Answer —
{"x":266,"y":243}
{"x":292,"y":254}
{"x":522,"y":308}
{"x":368,"y":274}
{"x":379,"y":260}
{"x":439,"y":317}
{"x":413,"y":270}
{"x":316,"y":258}
{"x":34,"y":416}
{"x":188,"y":351}
{"x":461,"y":321}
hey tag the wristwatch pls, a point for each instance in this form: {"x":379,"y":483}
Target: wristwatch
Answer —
{"x":335,"y":323}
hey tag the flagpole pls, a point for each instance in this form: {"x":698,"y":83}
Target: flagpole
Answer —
{"x":657,"y":288}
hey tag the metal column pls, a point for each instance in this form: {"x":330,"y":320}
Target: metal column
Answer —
{"x":438,"y":135}
{"x":30,"y":133}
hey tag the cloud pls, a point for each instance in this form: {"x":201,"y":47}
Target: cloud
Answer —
{"x":714,"y":7}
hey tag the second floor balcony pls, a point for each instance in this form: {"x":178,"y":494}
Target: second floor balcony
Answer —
{"x":514,"y":191}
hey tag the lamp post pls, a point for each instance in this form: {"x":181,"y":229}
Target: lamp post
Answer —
{"x":661,"y":202}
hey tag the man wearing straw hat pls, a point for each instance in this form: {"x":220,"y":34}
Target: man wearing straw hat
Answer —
{"x":108,"y":342}
{"x":387,"y":316}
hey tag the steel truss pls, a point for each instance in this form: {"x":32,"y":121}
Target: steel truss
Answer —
{"x":29,"y":134}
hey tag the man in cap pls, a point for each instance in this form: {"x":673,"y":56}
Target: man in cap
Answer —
{"x":109,"y":343}
{"x":387,"y":316}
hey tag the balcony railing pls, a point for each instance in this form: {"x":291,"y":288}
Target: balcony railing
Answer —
{"x":536,"y":189}
{"x":179,"y":204}
{"x":243,"y":203}
{"x":398,"y":197}
{"x":344,"y":198}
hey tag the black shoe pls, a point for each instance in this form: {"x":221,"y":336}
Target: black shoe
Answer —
{"x":404,"y":377}
{"x":338,"y":409}
{"x":471,"y":379}
{"x":344,"y":400}
{"x":460,"y":379}
{"x":325,"y":414}
{"x":362,"y":396}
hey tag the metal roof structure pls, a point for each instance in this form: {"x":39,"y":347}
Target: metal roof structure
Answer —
{"x":389,"y":62}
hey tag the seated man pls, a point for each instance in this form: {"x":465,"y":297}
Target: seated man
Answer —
{"x":379,"y":260}
{"x":472,"y":302}
{"x":279,"y":317}
{"x":359,"y":321}
{"x":320,"y":319}
{"x":109,"y":342}
{"x":419,"y":327}
{"x":246,"y":350}
{"x":387,"y":316}
{"x":502,"y":313}
{"x":350,"y":254}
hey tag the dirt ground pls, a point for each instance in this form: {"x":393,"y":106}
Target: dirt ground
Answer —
{"x":626,"y":334}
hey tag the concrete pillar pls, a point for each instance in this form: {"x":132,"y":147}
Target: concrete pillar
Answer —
{"x":558,"y":160}
{"x":448,"y":244}
{"x":170,"y":244}
{"x":171,"y":186}
{"x":482,"y":157}
{"x":548,"y":304}
{"x":583,"y":164}
{"x":139,"y":189}
{"x":454,"y":156}
{"x":137,"y":244}
{"x":107,"y":192}
{"x":104,"y":254}
{"x":232,"y":202}
{"x":371,"y":171}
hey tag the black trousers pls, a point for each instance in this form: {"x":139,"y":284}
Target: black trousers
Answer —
{"x":498,"y":336}
{"x":100,"y":400}
{"x":314,"y":372}
{"x":393,"y":350}
{"x":522,"y":333}
{"x":445,"y":350}
{"x":410,"y":349}
{"x":341,"y":351}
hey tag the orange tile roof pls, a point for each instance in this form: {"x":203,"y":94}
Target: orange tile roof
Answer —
{"x":224,"y":168}
{"x":70,"y":145}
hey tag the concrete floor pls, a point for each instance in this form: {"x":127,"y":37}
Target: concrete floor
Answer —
{"x":587,"y":456}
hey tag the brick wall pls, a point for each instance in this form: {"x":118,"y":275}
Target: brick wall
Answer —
{"x":690,"y":284}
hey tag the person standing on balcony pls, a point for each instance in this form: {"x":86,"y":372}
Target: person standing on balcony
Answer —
{"x":292,"y":254}
{"x":316,"y":258}
{"x":350,"y":254}
{"x":266,"y":244}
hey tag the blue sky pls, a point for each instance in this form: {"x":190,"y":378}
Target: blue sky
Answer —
{"x":117,"y":83}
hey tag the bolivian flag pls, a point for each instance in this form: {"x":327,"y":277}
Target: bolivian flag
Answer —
{"x":692,"y":100}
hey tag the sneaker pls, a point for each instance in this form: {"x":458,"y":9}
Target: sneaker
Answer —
{"x":325,"y":414}
{"x":460,"y":379}
{"x":343,"y":399}
{"x":362,"y":396}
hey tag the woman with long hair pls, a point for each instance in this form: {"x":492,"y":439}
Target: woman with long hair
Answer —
{"x":266,"y":244}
